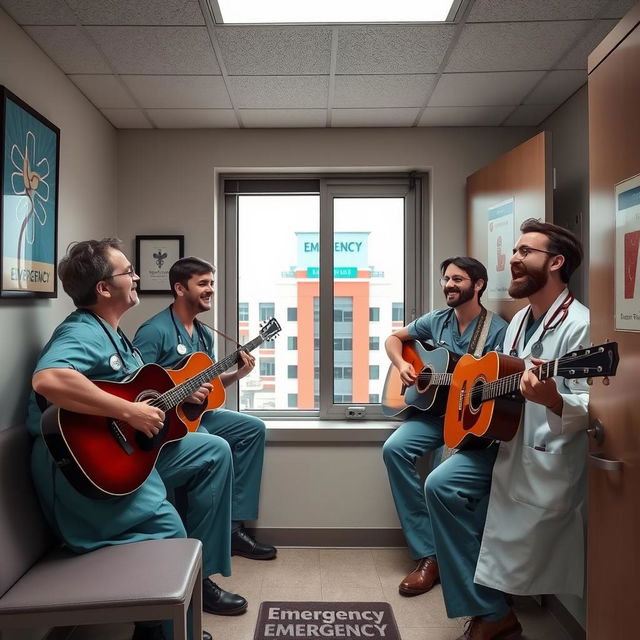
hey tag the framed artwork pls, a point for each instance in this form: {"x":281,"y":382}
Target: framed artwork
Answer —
{"x":29,"y":204}
{"x":154,"y":257}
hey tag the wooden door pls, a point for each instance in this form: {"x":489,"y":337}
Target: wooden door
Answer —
{"x":613,"y":557}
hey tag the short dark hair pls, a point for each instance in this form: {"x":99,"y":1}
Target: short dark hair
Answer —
{"x":474,"y":268}
{"x":562,"y":242}
{"x":84,"y":265}
{"x":182,"y":270}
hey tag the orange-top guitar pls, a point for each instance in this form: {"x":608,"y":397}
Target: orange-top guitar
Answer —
{"x":484,"y":398}
{"x":428,"y":393}
{"x":105,"y":457}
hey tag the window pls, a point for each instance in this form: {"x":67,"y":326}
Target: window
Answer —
{"x":266,"y":310}
{"x":338,"y":251}
{"x":374,"y":398}
{"x":267,"y":367}
{"x":397,"y":312}
{"x":292,"y":400}
{"x":268,"y":344}
{"x":243,"y":311}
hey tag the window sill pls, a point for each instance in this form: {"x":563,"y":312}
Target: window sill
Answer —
{"x":329,"y":431}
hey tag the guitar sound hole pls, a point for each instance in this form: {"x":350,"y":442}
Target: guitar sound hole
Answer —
{"x":423,"y":380}
{"x":475,"y":396}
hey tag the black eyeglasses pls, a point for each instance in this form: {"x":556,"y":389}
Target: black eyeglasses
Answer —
{"x":524,"y":251}
{"x":455,"y":279}
{"x":131,"y":272}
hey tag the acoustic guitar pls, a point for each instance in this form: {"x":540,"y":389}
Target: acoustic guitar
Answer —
{"x":104,"y":457}
{"x":429,"y":391}
{"x":484,"y":398}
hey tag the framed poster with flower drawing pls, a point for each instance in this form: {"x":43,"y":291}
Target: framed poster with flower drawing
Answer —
{"x":154,"y":257}
{"x":29,"y":163}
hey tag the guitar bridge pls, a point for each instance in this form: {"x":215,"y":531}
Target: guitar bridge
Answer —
{"x":119,"y":437}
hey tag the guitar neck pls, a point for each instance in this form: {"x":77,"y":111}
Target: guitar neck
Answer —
{"x":510,"y":385}
{"x":436,"y":379}
{"x":181,"y":392}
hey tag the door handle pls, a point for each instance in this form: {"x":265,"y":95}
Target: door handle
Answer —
{"x":596,"y":431}
{"x":599,"y":461}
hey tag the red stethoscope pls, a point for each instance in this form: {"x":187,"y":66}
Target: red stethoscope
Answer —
{"x":556,"y":319}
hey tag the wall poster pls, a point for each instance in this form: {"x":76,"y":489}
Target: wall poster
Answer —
{"x":500,"y":242}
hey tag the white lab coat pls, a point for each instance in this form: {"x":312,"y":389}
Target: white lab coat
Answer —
{"x":533,"y":540}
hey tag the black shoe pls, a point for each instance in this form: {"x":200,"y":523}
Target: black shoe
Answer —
{"x":242,"y":544}
{"x":220,"y":602}
{"x":155,"y":632}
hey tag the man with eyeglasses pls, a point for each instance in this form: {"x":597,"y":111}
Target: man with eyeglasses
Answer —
{"x":460,"y":327}
{"x":508,"y":519}
{"x":89,"y":345}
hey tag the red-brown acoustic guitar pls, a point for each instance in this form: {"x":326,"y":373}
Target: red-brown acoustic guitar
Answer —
{"x":484,"y":398}
{"x":105,"y":457}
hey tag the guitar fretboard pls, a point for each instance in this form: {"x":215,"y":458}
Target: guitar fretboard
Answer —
{"x":436,"y":379}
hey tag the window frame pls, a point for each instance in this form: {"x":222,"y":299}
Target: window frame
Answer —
{"x":412,"y":187}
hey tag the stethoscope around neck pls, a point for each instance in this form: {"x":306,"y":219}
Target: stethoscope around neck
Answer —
{"x":446,"y":323}
{"x":117,"y":360}
{"x":556,"y":319}
{"x":181,"y":347}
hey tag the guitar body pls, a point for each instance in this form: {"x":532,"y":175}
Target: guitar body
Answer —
{"x":87,"y":449}
{"x":467,"y":419}
{"x":191,"y":414}
{"x":400,"y":400}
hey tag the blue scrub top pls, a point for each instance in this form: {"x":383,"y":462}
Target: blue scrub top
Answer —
{"x":440,"y":329}
{"x":157,"y":339}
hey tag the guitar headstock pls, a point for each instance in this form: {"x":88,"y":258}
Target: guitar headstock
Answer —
{"x":593,"y":362}
{"x":270,"y":329}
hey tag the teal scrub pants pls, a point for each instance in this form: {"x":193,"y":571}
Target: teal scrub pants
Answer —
{"x":245,"y":435}
{"x":457,"y":495}
{"x":411,"y":440}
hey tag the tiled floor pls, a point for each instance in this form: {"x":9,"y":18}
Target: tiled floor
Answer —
{"x":357,"y":575}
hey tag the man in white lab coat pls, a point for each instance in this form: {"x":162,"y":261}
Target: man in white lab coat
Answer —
{"x":509,"y":518}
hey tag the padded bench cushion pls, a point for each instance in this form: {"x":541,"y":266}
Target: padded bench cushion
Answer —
{"x":107,"y":577}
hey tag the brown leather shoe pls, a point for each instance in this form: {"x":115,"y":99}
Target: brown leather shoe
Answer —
{"x":507,"y":628}
{"x":421,"y":579}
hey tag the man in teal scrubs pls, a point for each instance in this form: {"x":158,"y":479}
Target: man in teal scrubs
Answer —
{"x":88,"y":345}
{"x":463,"y":280}
{"x":166,"y":339}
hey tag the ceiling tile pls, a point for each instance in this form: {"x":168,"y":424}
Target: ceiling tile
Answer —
{"x":577,"y":57}
{"x":382,"y":91}
{"x":193,"y":118}
{"x":70,"y":49}
{"x":481,"y":89}
{"x":283,"y":118}
{"x":512,"y":46}
{"x":43,"y":12}
{"x":392,"y":49}
{"x":104,"y":91}
{"x":127,"y":118}
{"x":179,"y":92}
{"x":264,"y":51}
{"x":530,"y":115}
{"x":464,"y":116}
{"x":140,"y":12}
{"x":373,"y":117}
{"x":556,"y":87}
{"x":155,"y":50}
{"x":515,"y":10}
{"x":279,"y":92}
{"x":618,"y":8}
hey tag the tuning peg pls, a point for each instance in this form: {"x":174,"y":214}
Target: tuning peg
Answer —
{"x":605,"y":381}
{"x":589,"y":381}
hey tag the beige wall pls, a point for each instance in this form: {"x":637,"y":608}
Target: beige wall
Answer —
{"x":87,"y":200}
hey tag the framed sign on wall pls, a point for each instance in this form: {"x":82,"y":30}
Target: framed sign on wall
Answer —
{"x":154,"y":257}
{"x":29,"y":205}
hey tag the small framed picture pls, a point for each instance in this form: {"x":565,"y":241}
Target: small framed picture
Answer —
{"x":30,"y":147}
{"x":154,"y":257}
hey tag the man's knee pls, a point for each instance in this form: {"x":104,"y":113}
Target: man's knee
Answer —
{"x":392,"y":448}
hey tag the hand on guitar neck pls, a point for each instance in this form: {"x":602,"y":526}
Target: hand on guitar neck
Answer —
{"x":544,"y":392}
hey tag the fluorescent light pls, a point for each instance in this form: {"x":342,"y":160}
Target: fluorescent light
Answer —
{"x":323,"y":11}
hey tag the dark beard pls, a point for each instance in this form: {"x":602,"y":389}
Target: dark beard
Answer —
{"x":464,"y":295}
{"x":533,"y":281}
